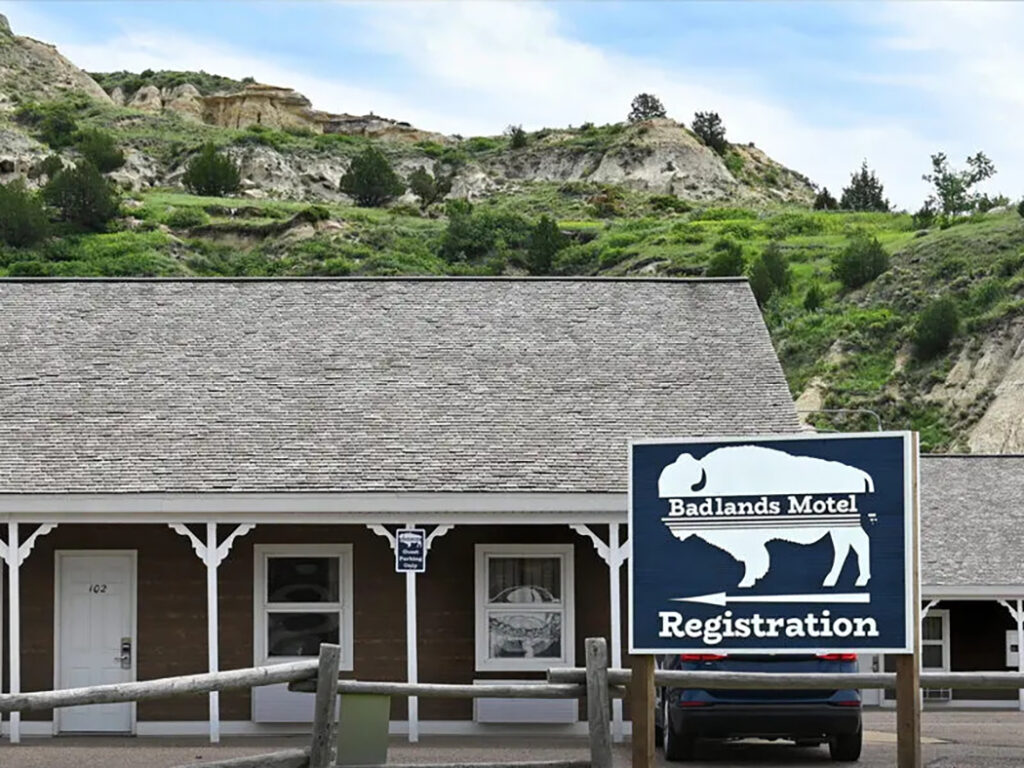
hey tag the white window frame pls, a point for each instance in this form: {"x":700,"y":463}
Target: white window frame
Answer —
{"x":563,"y":551}
{"x":261,"y":553}
{"x":943,"y":614}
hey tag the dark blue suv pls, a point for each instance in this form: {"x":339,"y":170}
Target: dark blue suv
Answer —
{"x":808,"y":717}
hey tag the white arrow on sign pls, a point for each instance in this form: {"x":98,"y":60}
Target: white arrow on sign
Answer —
{"x":720,"y":598}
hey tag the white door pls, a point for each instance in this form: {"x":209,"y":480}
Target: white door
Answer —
{"x":96,"y":631}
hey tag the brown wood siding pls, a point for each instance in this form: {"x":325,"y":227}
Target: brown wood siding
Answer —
{"x":172,"y":607}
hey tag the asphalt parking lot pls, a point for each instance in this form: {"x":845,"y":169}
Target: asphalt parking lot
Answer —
{"x":970,"y":739}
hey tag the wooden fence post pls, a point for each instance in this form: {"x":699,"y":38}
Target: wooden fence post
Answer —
{"x":908,"y":666}
{"x":641,"y":710}
{"x":325,"y":709}
{"x":597,"y":703}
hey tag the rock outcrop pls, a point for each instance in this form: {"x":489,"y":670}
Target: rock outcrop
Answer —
{"x":34,"y":71}
{"x":266,"y":105}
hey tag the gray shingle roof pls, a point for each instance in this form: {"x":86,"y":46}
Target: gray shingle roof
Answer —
{"x":370,"y":385}
{"x":972,"y":520}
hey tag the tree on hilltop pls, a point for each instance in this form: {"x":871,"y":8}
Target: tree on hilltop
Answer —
{"x":429,"y":188}
{"x":708,"y":127}
{"x":824,"y":201}
{"x":865,"y":192}
{"x":370,"y":180}
{"x":952,"y":187}
{"x":645,"y":106}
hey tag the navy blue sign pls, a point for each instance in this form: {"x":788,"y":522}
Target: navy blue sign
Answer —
{"x":411,"y":550}
{"x":797,"y":543}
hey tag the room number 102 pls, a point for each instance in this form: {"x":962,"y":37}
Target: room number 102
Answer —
{"x":98,"y":589}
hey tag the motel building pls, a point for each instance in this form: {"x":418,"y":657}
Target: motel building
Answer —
{"x":211,"y":474}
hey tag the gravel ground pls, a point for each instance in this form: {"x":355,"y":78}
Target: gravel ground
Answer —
{"x":970,"y":739}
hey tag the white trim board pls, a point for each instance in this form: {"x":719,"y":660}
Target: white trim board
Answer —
{"x":313,"y":507}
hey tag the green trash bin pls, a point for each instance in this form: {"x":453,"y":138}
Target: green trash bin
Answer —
{"x":363,"y":729}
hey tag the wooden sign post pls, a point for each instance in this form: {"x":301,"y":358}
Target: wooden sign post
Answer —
{"x":641,"y":710}
{"x":908,"y":665}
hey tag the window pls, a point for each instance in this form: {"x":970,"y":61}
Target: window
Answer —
{"x":303,"y":597}
{"x":524,"y":606}
{"x":935,"y":640}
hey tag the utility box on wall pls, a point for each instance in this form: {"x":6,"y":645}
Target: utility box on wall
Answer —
{"x":1012,"y":649}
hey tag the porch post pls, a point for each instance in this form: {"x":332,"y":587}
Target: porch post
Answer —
{"x":14,"y":553}
{"x":14,"y":624}
{"x":212,"y":554}
{"x":614,"y":590}
{"x":412,"y":662}
{"x":212,"y":635}
{"x":1020,"y":650}
{"x":614,"y":554}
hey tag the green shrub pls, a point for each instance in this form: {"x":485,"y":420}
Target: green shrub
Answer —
{"x":516,"y":136}
{"x":935,"y":328}
{"x":23,"y":220}
{"x":724,"y":214}
{"x":100,"y":149}
{"x":261,"y":135}
{"x":814,"y":298}
{"x":861,"y":261}
{"x":480,"y":144}
{"x":761,"y":282}
{"x":824,"y":201}
{"x":727,"y":260}
{"x":794,"y":224}
{"x":370,"y":180}
{"x":1020,"y":208}
{"x":211,"y":174}
{"x":83,"y":197}
{"x":607,"y":203}
{"x":741,"y":230}
{"x":1010,"y":265}
{"x":669,"y":203}
{"x":429,"y":188}
{"x":778,"y":269}
{"x":186,"y":218}
{"x":49,"y":166}
{"x":54,"y":123}
{"x":475,"y":234}
{"x":733,"y":163}
{"x":546,"y":240}
{"x":925,"y":215}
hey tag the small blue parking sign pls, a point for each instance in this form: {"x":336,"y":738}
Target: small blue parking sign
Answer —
{"x":800,"y":543}
{"x":411,"y":550}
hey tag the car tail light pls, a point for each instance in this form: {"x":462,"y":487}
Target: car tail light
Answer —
{"x":693,"y":703}
{"x":847,"y":703}
{"x":701,"y":656}
{"x":838,"y":656}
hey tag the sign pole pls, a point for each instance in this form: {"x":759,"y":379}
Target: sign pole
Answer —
{"x":908,"y":666}
{"x":641,"y":710}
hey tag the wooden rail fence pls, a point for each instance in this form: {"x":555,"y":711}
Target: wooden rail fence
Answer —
{"x":595,"y":683}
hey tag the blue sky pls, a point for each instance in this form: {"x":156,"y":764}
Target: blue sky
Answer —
{"x":819,"y":86}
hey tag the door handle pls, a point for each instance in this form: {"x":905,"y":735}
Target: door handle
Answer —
{"x":126,"y":653}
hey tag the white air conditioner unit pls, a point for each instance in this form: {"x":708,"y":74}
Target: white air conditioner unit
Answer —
{"x":938,"y":694}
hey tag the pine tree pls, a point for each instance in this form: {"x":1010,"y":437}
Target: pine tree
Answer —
{"x":429,"y":188}
{"x":23,"y":220}
{"x":824,"y":201}
{"x":708,"y":127}
{"x":546,"y":240}
{"x":83,"y":197}
{"x":865,"y":192}
{"x":100,"y":149}
{"x":370,"y":180}
{"x":645,"y":106}
{"x":211,"y":174}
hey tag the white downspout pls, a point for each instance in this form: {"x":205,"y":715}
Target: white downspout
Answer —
{"x":212,"y":635}
{"x":14,"y":606}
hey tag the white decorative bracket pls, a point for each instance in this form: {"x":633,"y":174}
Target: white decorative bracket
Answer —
{"x":1009,"y":606}
{"x":381,"y":530}
{"x":26,"y":546}
{"x":614,"y":555}
{"x":222,"y":550}
{"x":928,"y":606}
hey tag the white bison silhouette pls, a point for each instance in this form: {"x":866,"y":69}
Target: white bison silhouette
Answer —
{"x":749,"y":470}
